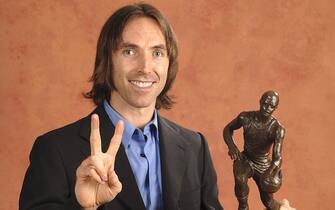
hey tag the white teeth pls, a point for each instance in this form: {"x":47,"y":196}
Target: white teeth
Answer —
{"x":141,"y":84}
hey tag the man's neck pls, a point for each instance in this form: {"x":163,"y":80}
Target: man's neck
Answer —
{"x":138,"y":117}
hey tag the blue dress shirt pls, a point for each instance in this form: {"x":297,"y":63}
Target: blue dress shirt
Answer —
{"x":142,"y":149}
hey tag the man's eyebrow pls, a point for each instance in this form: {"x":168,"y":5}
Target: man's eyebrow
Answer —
{"x":127,"y":45}
{"x":160,"y":46}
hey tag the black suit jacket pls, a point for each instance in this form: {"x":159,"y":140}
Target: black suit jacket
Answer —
{"x":188,"y":176}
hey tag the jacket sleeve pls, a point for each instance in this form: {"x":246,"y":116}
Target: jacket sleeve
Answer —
{"x":46,"y":186}
{"x":209,"y":190}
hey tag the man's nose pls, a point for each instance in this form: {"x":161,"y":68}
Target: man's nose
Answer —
{"x":145,"y":63}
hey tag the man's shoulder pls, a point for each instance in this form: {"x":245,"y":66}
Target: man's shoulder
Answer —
{"x":64,"y":135}
{"x":69,"y":129}
{"x":62,"y":142}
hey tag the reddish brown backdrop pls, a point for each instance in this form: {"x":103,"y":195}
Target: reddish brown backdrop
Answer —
{"x":230,"y":52}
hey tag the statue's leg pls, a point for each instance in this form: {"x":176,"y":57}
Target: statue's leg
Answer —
{"x":269,"y":202}
{"x":267,"y":198}
{"x":242,"y":172}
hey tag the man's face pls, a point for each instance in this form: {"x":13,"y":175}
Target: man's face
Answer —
{"x":268,"y":105}
{"x":140,"y":64}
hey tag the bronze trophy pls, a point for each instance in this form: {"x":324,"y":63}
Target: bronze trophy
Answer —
{"x":261,"y":132}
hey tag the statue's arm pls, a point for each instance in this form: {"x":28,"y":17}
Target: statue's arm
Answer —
{"x":277,"y":150}
{"x":228,"y":132}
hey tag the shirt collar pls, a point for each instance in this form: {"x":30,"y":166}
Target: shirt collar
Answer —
{"x":129,"y":129}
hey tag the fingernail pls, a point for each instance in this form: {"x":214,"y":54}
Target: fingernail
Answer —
{"x":105,"y":178}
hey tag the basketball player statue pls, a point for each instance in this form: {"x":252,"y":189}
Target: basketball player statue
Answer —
{"x":261,"y":131}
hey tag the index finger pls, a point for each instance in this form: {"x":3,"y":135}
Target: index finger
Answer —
{"x":95,"y":139}
{"x":116,"y":140}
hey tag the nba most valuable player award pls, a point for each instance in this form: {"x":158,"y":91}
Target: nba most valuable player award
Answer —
{"x":261,"y":132}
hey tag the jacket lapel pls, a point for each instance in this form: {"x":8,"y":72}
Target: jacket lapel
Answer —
{"x":130,"y":195}
{"x":172,"y":152}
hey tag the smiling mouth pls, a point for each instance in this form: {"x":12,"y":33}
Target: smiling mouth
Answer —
{"x":142,"y":84}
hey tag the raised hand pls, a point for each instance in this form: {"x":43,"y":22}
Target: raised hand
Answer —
{"x":96,"y":180}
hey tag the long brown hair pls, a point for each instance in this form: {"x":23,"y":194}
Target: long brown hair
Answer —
{"x":110,"y":37}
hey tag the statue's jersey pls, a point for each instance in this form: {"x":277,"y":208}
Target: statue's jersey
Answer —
{"x":258,"y":139}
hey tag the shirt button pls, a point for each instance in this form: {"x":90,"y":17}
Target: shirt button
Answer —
{"x":142,"y":155}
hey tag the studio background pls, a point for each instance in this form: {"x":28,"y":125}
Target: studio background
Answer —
{"x":231,"y":51}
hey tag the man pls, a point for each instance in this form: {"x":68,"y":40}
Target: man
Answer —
{"x":261,"y":131}
{"x":124,"y":155}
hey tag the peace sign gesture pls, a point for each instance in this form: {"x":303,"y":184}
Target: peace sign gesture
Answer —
{"x":96,"y":180}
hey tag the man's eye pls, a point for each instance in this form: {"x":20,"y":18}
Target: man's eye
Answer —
{"x":128,"y":52}
{"x":158,"y":53}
